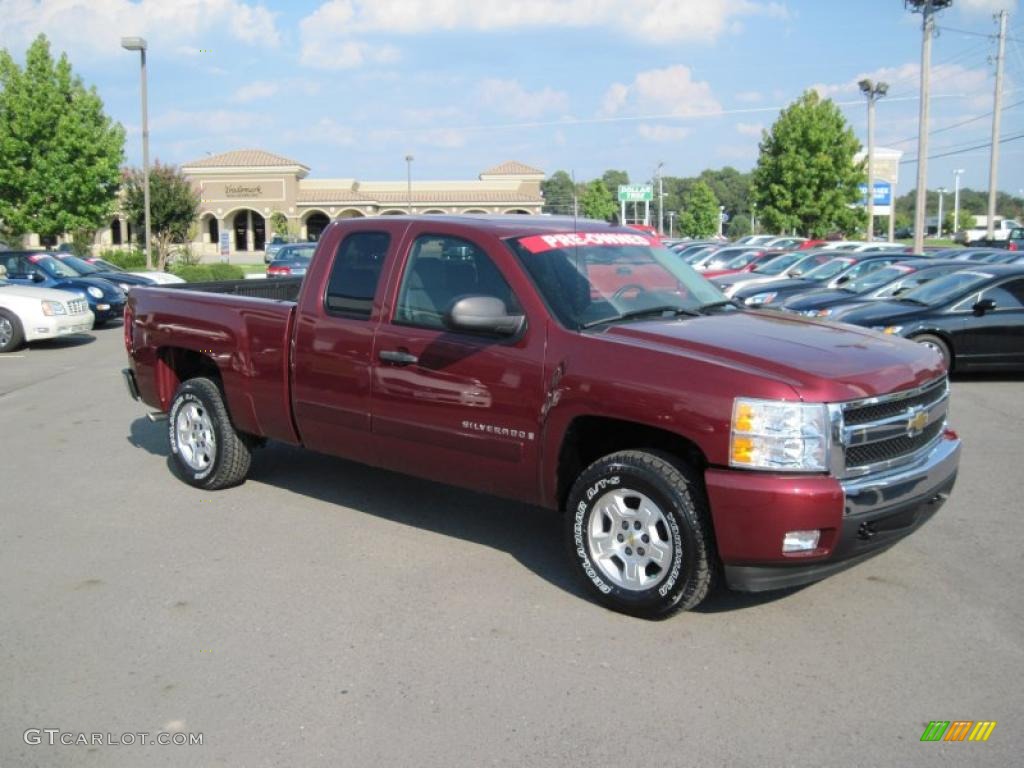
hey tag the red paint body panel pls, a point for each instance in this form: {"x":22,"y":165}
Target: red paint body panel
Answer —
{"x":492,"y":414}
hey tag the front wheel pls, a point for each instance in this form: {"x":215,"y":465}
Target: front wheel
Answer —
{"x":940,"y":346}
{"x":11,"y":334}
{"x":208,"y":451}
{"x":638,"y":533}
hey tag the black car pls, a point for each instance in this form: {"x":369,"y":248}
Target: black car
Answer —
{"x":974,"y":318}
{"x":123,"y":280}
{"x":45,"y":270}
{"x":885,"y":283}
{"x":835,"y":272}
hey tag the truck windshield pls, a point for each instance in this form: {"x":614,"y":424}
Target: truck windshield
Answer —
{"x":593,"y":278}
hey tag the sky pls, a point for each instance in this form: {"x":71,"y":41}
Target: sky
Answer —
{"x":350,"y":87}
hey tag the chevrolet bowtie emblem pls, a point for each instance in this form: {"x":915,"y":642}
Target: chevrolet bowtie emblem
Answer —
{"x":917,"y":422}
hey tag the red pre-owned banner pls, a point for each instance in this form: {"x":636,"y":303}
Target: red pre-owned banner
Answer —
{"x":541,"y":243}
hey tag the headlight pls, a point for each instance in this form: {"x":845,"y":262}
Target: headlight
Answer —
{"x":124,"y":287}
{"x":51,"y":308}
{"x":817,"y":312}
{"x":95,"y":292}
{"x":889,"y":330}
{"x":779,"y":436}
{"x":761,"y":298}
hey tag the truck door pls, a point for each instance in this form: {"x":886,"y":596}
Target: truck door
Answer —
{"x":333,"y":345}
{"x":453,"y":406}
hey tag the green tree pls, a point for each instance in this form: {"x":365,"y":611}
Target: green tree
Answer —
{"x":173,"y":207}
{"x":597,"y":202}
{"x":738,"y":226}
{"x":60,"y":155}
{"x":951,"y":227}
{"x":558,"y":191}
{"x":612,"y":179}
{"x":805,"y":179}
{"x":278,"y":223}
{"x":699,"y":217}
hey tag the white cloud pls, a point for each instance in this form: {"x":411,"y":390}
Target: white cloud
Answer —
{"x":325,"y":132}
{"x":750,"y":129}
{"x":662,"y":133}
{"x":986,"y":6}
{"x":208,"y":123}
{"x":261,"y":90}
{"x":947,"y":79}
{"x":669,"y":91}
{"x":508,"y":97}
{"x":97,"y":26}
{"x":337,"y":22}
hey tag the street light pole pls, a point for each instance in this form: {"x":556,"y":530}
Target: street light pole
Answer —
{"x":139,"y":44}
{"x":873,"y":91}
{"x":661,"y":201}
{"x":408,"y":181}
{"x":956,"y":199}
{"x":938,"y":226}
{"x":671,"y":221}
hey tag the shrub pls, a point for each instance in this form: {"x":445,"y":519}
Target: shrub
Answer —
{"x":133,"y":259}
{"x":204,"y":273}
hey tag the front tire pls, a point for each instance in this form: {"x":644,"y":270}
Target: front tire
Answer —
{"x":11,"y":334}
{"x":637,"y":532}
{"x":940,"y":346}
{"x":208,"y":451}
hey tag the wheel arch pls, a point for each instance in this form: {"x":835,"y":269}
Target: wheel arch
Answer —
{"x":942,"y":334}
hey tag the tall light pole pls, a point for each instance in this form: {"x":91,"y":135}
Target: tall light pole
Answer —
{"x":753,"y":217}
{"x":721,"y":219}
{"x":956,"y":199}
{"x":938,"y":226}
{"x":873,"y":91}
{"x":671,"y":220}
{"x":139,"y":44}
{"x":661,"y":200}
{"x":927,"y":9}
{"x":408,"y":180}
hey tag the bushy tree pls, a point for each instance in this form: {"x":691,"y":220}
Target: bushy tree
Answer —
{"x":613,"y":179}
{"x":806,"y":180}
{"x":60,"y":155}
{"x":597,"y":202}
{"x":278,"y":223}
{"x":699,"y":217}
{"x":738,"y":226}
{"x":173,"y":207}
{"x":558,"y":191}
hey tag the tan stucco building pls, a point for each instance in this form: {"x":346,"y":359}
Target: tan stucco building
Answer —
{"x":241,"y":190}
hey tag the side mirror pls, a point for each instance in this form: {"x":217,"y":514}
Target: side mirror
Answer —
{"x":843,"y":279}
{"x":484,"y":314}
{"x":37,"y":278}
{"x":983,"y":306}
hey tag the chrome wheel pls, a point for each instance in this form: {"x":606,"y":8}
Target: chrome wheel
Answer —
{"x":6,"y":331}
{"x":197,"y":444}
{"x":628,"y":537}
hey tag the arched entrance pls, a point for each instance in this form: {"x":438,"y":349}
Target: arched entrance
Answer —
{"x":475,"y":210}
{"x":350,"y":213}
{"x":250,"y":230}
{"x":115,"y":232}
{"x":393,"y":212}
{"x":435,"y":211}
{"x":209,"y":231}
{"x":518,"y":212}
{"x":316,"y":223}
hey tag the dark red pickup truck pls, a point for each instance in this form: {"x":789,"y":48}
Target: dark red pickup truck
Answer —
{"x":584,"y":369}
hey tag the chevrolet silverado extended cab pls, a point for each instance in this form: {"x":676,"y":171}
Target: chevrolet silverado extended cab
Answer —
{"x":578,"y":366}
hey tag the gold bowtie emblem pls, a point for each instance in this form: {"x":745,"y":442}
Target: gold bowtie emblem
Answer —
{"x":917,"y":422}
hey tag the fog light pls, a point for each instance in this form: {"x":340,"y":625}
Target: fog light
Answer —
{"x":102,"y":307}
{"x":800,"y":541}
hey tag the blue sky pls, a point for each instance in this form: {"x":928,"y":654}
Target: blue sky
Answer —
{"x":349,"y":87}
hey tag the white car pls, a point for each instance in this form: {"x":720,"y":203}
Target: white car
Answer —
{"x":31,"y":314}
{"x":160,"y":278}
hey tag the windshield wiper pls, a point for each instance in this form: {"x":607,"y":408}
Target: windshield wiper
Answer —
{"x":912,"y":301}
{"x":635,"y":313}
{"x":715,"y":304}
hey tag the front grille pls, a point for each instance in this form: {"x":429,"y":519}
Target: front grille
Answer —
{"x":884,"y":431}
{"x":77,"y":306}
{"x":886,"y":450}
{"x":867,"y":413}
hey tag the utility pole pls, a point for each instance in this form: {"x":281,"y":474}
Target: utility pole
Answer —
{"x":938,"y":226}
{"x":927,"y":9}
{"x":956,"y":199}
{"x":661,"y":201}
{"x":408,"y":181}
{"x":993,"y":166}
{"x":753,"y":217}
{"x":874,"y":91}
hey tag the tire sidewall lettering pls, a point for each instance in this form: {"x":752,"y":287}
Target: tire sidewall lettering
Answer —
{"x":180,"y":401}
{"x":578,"y":524}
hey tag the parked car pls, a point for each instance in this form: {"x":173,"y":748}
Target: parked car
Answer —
{"x":974,"y":318}
{"x":1014,"y":241}
{"x":291,"y":260}
{"x":28,"y":314}
{"x":978,"y":234}
{"x":275,"y":244}
{"x":158,"y":277}
{"x":677,"y":432}
{"x":755,"y":239}
{"x":44,"y":270}
{"x":885,"y":283}
{"x":123,"y":280}
{"x":723,"y":256}
{"x":783,"y":243}
{"x":832,"y":274}
{"x":743,"y":262}
{"x":792,"y":264}
{"x":982,"y":255}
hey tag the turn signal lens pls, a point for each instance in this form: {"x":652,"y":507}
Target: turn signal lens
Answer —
{"x":778,"y":435}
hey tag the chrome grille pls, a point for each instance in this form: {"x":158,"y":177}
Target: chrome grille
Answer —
{"x":77,"y":307}
{"x":883,"y":432}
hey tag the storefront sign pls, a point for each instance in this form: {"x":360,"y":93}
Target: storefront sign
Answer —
{"x":241,"y":189}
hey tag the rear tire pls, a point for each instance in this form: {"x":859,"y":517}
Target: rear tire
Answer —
{"x":637,"y":532}
{"x":208,"y":451}
{"x":940,"y":346}
{"x":11,"y":334}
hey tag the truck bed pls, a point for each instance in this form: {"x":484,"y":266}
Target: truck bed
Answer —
{"x":277,"y":289}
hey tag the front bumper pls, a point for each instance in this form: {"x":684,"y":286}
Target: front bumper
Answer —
{"x":857,"y":518}
{"x":105,"y":309}
{"x":59,"y":325}
{"x":130,"y":382}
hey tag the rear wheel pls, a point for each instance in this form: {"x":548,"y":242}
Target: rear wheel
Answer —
{"x":207,"y":449}
{"x":11,"y":334}
{"x":638,"y":533}
{"x":940,"y":346}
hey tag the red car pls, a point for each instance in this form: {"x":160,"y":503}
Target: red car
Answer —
{"x":589,"y":372}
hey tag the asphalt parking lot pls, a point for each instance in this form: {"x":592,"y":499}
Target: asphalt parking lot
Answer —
{"x":329,"y":614}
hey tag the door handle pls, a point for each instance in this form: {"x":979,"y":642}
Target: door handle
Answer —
{"x":398,"y":357}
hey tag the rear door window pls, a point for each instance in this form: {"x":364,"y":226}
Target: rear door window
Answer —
{"x":355,"y":274}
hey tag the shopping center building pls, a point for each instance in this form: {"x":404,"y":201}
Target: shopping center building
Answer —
{"x":241,"y":190}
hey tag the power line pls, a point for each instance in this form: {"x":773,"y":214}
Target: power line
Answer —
{"x":990,"y":36}
{"x":957,"y":125}
{"x":968,"y":149}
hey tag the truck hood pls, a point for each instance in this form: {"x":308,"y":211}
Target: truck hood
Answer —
{"x":821,"y":361}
